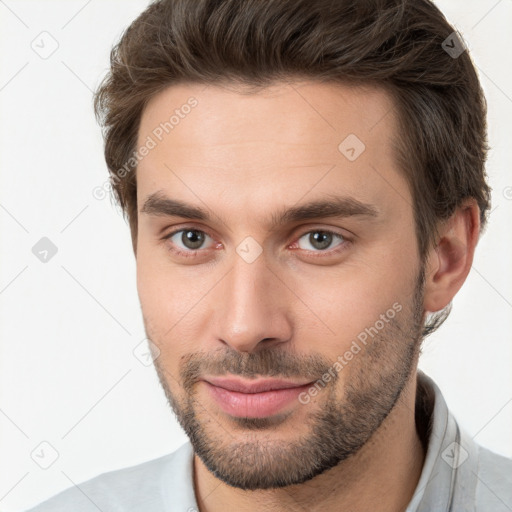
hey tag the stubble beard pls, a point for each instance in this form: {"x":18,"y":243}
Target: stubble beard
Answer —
{"x":329,"y":435}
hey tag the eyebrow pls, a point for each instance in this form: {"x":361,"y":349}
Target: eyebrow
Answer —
{"x":159,"y":205}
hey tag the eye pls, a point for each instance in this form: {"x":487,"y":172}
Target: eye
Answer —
{"x":188,"y":240}
{"x":319,"y":240}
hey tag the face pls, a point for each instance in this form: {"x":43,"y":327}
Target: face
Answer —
{"x":278,"y":273}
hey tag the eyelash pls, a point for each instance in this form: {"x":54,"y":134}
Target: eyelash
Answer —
{"x":313,"y":254}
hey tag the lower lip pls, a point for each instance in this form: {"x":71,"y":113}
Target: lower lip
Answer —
{"x":254,"y":405}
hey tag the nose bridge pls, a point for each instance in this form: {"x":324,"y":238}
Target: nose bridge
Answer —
{"x":250,"y":311}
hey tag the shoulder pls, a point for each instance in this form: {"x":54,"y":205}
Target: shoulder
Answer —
{"x":124,"y":490}
{"x":494,"y":481}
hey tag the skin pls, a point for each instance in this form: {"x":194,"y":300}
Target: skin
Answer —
{"x":242,"y":158}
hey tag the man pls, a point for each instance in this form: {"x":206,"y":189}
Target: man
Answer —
{"x":305,"y":186}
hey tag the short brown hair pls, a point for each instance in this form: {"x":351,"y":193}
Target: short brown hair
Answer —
{"x":399,"y":45}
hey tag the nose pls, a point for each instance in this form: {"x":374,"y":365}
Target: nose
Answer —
{"x":252,"y":311}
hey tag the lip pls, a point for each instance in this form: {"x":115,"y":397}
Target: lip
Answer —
{"x":261,"y":385}
{"x":253,"y":399}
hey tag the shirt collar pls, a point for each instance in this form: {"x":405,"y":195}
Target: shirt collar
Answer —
{"x":448,"y":478}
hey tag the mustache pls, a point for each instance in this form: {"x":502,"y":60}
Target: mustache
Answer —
{"x":267,"y":362}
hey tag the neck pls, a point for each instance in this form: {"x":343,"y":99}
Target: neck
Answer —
{"x":381,"y":476}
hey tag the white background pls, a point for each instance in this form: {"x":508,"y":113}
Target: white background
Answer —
{"x":69,"y":326}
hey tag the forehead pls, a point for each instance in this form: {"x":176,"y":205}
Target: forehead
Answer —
{"x":302,"y":110}
{"x":228,"y":141}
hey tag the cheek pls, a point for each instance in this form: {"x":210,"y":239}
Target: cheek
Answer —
{"x":172,"y":306}
{"x":158,"y":282}
{"x":158,"y":292}
{"x":151,"y":287}
{"x":346,"y":301}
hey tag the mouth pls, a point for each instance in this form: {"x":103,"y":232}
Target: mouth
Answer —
{"x":253,"y":399}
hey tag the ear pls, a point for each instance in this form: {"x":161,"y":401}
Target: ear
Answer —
{"x":450,"y":260}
